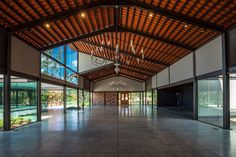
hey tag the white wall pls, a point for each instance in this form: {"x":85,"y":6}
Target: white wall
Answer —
{"x":182,"y":70}
{"x":163,"y":78}
{"x":24,"y":58}
{"x":154,"y":81}
{"x":209,"y":57}
{"x":132,"y":85}
{"x":85,"y":62}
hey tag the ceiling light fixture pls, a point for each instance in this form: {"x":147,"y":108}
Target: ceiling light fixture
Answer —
{"x":83,"y":15}
{"x":150,"y":15}
{"x":47,"y":25}
{"x":185,"y":26}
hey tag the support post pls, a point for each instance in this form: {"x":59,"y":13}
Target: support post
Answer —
{"x":39,"y":108}
{"x":195,"y":89}
{"x":226,"y":88}
{"x":152,"y":97}
{"x":83,"y":98}
{"x":77,"y":99}
{"x":7,"y":84}
{"x":64,"y":98}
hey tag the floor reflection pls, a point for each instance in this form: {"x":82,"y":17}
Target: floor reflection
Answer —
{"x":134,"y":130}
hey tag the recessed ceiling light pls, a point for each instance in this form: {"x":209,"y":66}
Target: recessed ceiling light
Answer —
{"x":83,"y":15}
{"x":150,"y":15}
{"x":185,"y":26}
{"x":47,"y":25}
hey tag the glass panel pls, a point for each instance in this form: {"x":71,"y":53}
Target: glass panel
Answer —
{"x":232,"y":101}
{"x":57,"y":53}
{"x":210,"y":100}
{"x":81,"y":98}
{"x":155,"y":97}
{"x":149,"y":97}
{"x":71,"y":76}
{"x":23,"y":101}
{"x":1,"y":102}
{"x":71,"y":58}
{"x":86,"y":98}
{"x":135,"y":98}
{"x":51,"y":97}
{"x":71,"y":98}
{"x":52,"y":68}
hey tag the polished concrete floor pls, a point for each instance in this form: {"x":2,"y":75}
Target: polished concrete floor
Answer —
{"x":136,"y":131}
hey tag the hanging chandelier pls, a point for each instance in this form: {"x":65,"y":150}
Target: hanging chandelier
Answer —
{"x":96,"y":60}
{"x":101,"y":61}
{"x":119,"y":84}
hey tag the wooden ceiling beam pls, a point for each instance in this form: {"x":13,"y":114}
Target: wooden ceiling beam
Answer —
{"x":126,"y":53}
{"x":131,"y":77}
{"x":61,"y":15}
{"x":107,"y":3}
{"x":122,"y":29}
{"x":103,"y":78}
{"x":81,"y":37}
{"x":174,"y":15}
{"x":135,"y":71}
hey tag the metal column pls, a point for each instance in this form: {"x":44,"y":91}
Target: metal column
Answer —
{"x":226,"y":92}
{"x":7,"y":85}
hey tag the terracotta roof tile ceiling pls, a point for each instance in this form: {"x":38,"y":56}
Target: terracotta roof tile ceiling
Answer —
{"x":166,"y":30}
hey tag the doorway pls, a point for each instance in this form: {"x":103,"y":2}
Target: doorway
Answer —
{"x":124,"y":98}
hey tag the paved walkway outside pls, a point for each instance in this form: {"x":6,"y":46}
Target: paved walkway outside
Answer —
{"x":117,"y":132}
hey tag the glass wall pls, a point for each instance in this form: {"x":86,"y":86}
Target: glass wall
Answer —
{"x":149,"y":97}
{"x":154,"y":97}
{"x":1,"y":102}
{"x":52,"y":68}
{"x":51,"y":97}
{"x":210,"y":100}
{"x":71,"y":98}
{"x":23,"y":101}
{"x":71,"y":58}
{"x":86,"y":98}
{"x":134,"y":98}
{"x":71,"y":76}
{"x":57,"y":53}
{"x":81,"y":98}
{"x":232,"y":101}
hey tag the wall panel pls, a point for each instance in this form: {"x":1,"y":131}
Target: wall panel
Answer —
{"x":163,"y":78}
{"x":182,"y":70}
{"x":209,"y":57}
{"x":25,"y":59}
{"x":132,"y":85}
{"x":154,"y":81}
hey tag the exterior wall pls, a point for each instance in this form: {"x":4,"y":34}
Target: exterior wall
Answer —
{"x":103,"y":85}
{"x":209,"y":57}
{"x":182,"y":70}
{"x":24,"y":58}
{"x":163,"y":78}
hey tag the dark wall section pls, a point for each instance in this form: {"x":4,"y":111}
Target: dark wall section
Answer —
{"x":181,"y":96}
{"x":232,"y":47}
{"x":3,"y":51}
